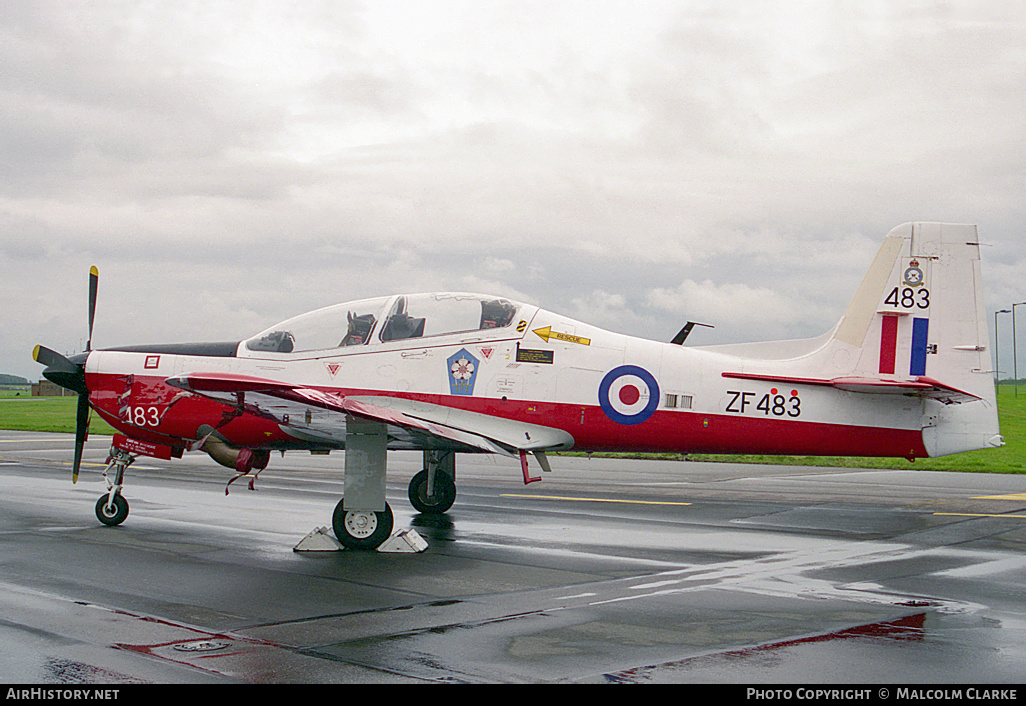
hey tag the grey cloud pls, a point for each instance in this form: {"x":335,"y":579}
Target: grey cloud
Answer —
{"x":228,"y":164}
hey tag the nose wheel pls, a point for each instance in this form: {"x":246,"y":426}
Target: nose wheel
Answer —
{"x":111,"y":511}
{"x":361,"y":529}
{"x":112,"y":508}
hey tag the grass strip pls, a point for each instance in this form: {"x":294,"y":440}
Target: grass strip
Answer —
{"x":57,"y":414}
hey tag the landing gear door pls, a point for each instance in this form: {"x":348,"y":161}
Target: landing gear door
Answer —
{"x":366,"y":447}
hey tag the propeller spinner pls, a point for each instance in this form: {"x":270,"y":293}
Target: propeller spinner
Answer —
{"x":69,"y":373}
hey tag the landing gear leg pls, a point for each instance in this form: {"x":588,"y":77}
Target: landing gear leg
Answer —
{"x":362,"y":519}
{"x":433,"y":490}
{"x":112,"y":508}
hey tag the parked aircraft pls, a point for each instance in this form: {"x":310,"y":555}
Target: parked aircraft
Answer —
{"x":905,"y":373}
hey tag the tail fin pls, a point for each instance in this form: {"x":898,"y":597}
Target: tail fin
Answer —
{"x":917,"y":325}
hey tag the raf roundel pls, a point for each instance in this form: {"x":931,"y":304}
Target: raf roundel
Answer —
{"x":628,"y":394}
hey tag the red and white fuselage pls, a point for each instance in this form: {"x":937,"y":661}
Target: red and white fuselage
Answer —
{"x":905,"y":373}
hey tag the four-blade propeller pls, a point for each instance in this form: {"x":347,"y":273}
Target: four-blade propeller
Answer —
{"x":69,"y":373}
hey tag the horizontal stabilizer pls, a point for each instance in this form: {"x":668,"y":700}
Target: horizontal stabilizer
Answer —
{"x":919,"y":386}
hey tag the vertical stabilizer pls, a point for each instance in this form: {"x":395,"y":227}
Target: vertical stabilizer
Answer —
{"x":918,"y":319}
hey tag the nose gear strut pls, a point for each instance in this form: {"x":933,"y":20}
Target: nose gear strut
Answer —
{"x":112,"y":508}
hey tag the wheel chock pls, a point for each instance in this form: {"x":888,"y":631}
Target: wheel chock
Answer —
{"x":404,"y":542}
{"x":319,"y":540}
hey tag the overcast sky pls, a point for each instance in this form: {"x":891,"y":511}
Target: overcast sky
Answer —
{"x":632,"y":164}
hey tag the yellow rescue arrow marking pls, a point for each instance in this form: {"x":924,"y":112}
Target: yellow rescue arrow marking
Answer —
{"x":546,"y":333}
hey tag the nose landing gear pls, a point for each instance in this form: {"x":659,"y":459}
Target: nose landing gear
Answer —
{"x":112,"y":508}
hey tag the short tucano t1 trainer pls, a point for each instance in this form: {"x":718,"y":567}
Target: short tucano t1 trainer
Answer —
{"x":905,"y":373}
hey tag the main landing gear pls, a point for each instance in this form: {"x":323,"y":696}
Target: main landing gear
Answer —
{"x":112,"y":508}
{"x":432,"y":491}
{"x":432,"y":498}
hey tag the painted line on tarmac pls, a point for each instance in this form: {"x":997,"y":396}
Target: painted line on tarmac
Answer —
{"x":977,"y":514}
{"x":1011,"y":496}
{"x":591,"y":500}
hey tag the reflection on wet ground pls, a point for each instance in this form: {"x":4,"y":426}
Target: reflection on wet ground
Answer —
{"x":733,"y":574}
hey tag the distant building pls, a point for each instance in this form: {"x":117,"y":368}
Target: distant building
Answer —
{"x":45,"y":388}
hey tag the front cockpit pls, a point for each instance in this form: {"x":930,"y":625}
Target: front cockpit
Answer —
{"x":384,"y":320}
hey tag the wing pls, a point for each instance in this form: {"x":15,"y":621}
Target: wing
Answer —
{"x":318,"y":416}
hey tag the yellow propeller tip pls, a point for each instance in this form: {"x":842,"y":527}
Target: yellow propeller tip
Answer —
{"x":35,"y":353}
{"x":93,"y":271}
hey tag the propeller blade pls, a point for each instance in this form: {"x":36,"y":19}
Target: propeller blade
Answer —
{"x":52,"y":359}
{"x":81,"y":432}
{"x":70,"y":373}
{"x":61,"y":370}
{"x":94,"y":280}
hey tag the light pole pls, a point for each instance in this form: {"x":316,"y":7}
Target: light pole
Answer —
{"x":997,"y":365}
{"x":1015,"y":355}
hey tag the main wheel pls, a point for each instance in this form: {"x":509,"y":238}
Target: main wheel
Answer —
{"x":443,"y":498}
{"x":113,"y":514}
{"x":361,"y":529}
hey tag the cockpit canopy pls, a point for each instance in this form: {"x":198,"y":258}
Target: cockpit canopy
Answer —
{"x":385,"y":319}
